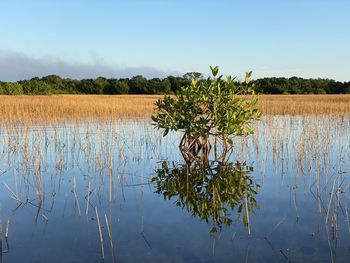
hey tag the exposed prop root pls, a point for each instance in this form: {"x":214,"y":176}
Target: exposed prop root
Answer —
{"x":195,"y":148}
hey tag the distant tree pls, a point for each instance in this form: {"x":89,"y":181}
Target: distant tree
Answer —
{"x":152,"y":86}
{"x":117,"y":87}
{"x":11,"y":88}
{"x":165,"y":87}
{"x":87,"y":86}
{"x":138,"y":85}
{"x":35,"y":87}
{"x":53,"y":84}
{"x":158,"y":86}
{"x":193,"y":75}
{"x":101,"y":85}
{"x":347,"y":88}
{"x":53,"y":80}
{"x":177,"y":82}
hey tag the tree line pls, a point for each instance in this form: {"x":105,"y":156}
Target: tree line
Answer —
{"x":54,"y":84}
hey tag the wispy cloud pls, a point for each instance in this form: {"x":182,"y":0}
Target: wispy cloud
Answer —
{"x":17,"y":66}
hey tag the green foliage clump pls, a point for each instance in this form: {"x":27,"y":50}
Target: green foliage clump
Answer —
{"x":36,"y":87}
{"x":217,"y":106}
{"x":11,"y":88}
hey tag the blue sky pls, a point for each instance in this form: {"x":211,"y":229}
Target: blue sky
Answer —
{"x":87,"y":38}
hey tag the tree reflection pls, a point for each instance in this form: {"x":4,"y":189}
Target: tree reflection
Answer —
{"x":210,"y":191}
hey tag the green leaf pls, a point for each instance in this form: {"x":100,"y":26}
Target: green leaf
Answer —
{"x":213,"y":231}
{"x":214,"y":70}
{"x":166,"y":131}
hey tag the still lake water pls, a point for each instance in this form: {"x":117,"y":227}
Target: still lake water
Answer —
{"x":296,"y":174}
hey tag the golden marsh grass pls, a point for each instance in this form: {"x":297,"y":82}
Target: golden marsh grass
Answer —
{"x":31,"y":109}
{"x":305,"y":104}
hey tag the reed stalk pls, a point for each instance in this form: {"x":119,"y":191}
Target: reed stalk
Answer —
{"x":100,"y":233}
{"x":110,"y":236}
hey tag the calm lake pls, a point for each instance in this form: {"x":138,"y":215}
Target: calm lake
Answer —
{"x":283,"y":195}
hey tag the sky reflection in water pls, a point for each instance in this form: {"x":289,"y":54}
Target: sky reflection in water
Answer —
{"x":292,"y":176}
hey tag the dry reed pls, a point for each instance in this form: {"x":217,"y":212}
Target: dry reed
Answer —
{"x":110,"y":237}
{"x":32,"y":109}
{"x":305,"y":104}
{"x":100,"y":233}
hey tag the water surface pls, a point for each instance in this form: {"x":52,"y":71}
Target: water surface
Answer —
{"x":283,"y":194}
